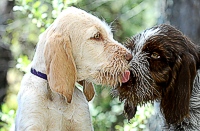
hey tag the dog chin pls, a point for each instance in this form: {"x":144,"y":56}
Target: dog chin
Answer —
{"x":111,"y":79}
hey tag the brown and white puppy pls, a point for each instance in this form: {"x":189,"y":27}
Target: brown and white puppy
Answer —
{"x":164,"y":68}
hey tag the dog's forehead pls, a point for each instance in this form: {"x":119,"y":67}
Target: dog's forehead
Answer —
{"x":141,"y":39}
{"x":107,"y":27}
{"x":87,"y":18}
{"x":102,"y":27}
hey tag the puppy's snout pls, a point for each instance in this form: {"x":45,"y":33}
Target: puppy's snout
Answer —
{"x":128,"y":56}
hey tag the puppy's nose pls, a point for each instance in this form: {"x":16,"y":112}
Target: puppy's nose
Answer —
{"x":128,"y":56}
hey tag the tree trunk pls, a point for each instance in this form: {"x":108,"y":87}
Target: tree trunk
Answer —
{"x":6,"y":7}
{"x":184,"y":15}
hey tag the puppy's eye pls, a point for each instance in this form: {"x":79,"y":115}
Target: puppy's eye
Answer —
{"x":155,"y":55}
{"x":97,"y":36}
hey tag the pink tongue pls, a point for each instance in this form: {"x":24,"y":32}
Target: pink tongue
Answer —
{"x":125,"y":76}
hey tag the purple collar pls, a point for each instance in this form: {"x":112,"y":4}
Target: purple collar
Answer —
{"x":39,"y":74}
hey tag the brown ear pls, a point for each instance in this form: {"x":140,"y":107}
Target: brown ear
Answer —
{"x":61,"y":70}
{"x":88,"y":89}
{"x":176,"y":98}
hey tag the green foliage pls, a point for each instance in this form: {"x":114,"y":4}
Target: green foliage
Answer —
{"x":32,"y":17}
{"x":22,"y":63}
{"x":7,"y":118}
{"x":107,"y":113}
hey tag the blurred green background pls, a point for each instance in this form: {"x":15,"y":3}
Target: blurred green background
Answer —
{"x":21,"y":22}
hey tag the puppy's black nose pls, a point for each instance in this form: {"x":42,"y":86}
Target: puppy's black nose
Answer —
{"x":128,"y":56}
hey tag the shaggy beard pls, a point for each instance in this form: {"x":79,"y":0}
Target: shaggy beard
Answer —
{"x":112,"y":74}
{"x":144,"y":84}
{"x":140,"y":88}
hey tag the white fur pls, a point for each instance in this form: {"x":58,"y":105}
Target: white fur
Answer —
{"x":144,"y":36}
{"x":37,"y":113}
{"x":43,"y":107}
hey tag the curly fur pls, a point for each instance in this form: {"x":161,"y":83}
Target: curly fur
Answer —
{"x":164,"y":68}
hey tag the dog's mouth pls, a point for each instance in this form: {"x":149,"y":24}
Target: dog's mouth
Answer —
{"x":126,"y":88}
{"x":133,"y":92}
{"x":125,"y":76}
{"x":112,"y":78}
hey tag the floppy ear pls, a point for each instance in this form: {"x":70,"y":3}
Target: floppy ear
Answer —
{"x":198,"y":62}
{"x":60,"y":65}
{"x":88,"y":89}
{"x":176,"y":98}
